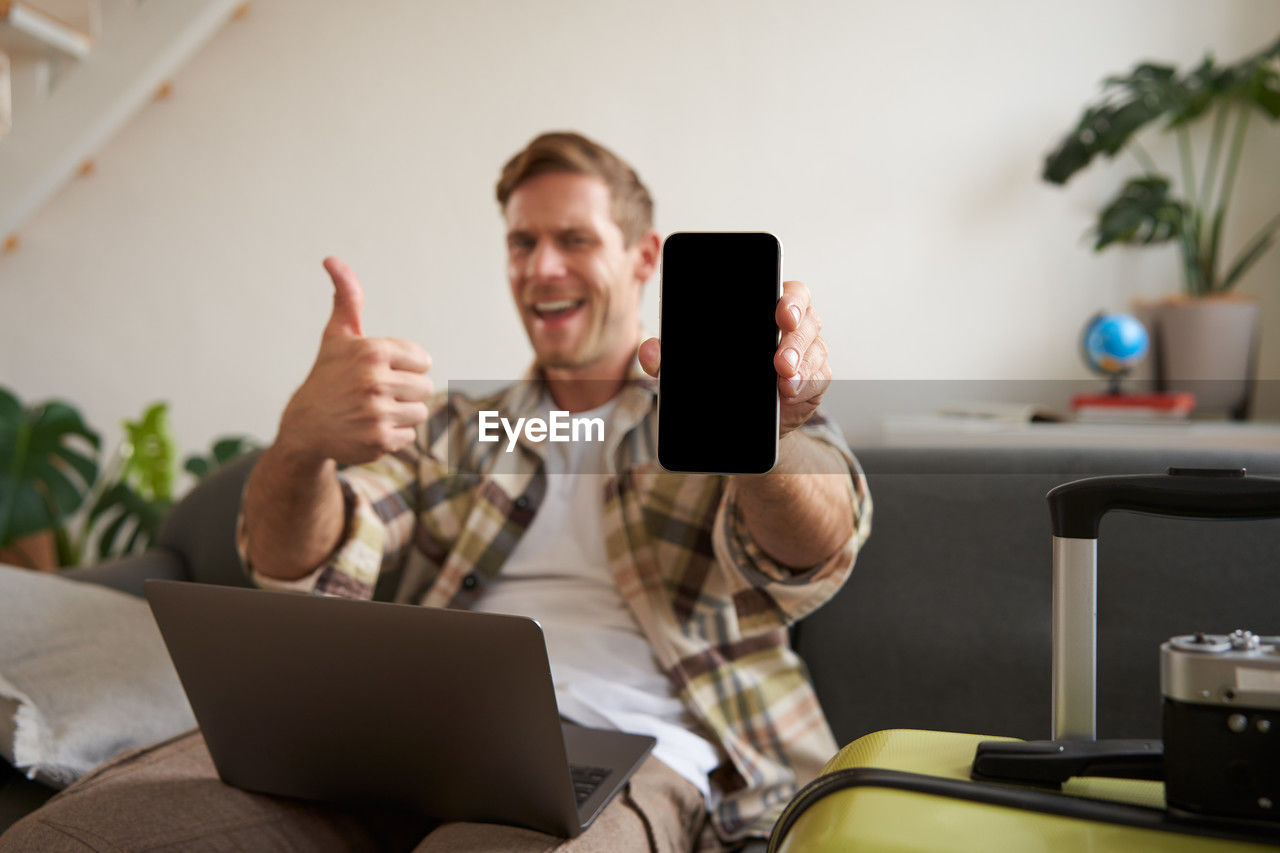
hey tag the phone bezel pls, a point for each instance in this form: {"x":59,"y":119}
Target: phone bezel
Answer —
{"x":777,"y":398}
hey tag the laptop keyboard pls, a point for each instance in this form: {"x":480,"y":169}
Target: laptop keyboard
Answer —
{"x":586,"y":780}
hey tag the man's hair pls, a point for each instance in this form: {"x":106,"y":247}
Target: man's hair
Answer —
{"x":564,"y":151}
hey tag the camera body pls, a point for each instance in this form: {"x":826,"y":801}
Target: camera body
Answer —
{"x":1222,"y":724}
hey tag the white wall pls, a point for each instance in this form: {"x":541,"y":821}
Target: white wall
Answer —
{"x":894,"y":146}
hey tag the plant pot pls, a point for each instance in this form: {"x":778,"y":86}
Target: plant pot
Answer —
{"x":37,"y":551}
{"x":1208,"y":346}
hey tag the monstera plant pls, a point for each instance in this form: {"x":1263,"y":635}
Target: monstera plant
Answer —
{"x":48,"y":463}
{"x":1149,"y":208}
{"x":51,"y":479}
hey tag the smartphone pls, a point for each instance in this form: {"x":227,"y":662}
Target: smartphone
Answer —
{"x":717,"y":386}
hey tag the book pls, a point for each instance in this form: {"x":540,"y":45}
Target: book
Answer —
{"x":1127,"y":408}
{"x":1001,"y":412}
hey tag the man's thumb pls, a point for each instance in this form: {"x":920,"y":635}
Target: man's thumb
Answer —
{"x":348,"y":300}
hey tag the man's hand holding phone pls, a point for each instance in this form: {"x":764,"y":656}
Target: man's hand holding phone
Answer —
{"x":801,"y":358}
{"x":364,"y":397}
{"x":741,"y":375}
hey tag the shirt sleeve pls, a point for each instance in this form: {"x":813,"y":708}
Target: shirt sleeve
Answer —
{"x":379,"y":500}
{"x":770,"y":591}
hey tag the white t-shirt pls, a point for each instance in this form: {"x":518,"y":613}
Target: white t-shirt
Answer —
{"x":604,"y":671}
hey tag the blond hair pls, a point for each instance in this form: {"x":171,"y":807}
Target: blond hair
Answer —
{"x":565,"y":151}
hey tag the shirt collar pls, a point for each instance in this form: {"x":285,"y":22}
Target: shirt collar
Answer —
{"x":635,"y":400}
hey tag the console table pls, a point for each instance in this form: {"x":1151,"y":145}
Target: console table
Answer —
{"x":948,"y":431}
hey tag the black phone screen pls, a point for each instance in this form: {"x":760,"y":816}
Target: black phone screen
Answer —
{"x":717,"y":386}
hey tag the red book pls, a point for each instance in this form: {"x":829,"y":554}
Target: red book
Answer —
{"x":1161,"y":406}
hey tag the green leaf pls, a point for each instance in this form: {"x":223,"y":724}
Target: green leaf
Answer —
{"x":138,"y":541}
{"x":1197,"y":91}
{"x":44,"y":477}
{"x":121,"y":509}
{"x":1142,"y":213}
{"x":85,"y":468}
{"x":150,"y":454}
{"x":197,"y":465}
{"x":10,"y":408}
{"x":107,"y":536}
{"x":1210,"y":263}
{"x":226,"y":449}
{"x":1247,"y":256}
{"x":1130,"y":102}
{"x":1256,"y":80}
{"x":29,"y":513}
{"x":1263,"y":88}
{"x":61,"y":493}
{"x":1127,"y":105}
{"x":223,"y":451}
{"x":68,"y":555}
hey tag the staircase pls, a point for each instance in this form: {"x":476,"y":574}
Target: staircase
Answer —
{"x":72,"y":72}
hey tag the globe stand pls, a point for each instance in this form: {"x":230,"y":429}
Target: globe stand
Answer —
{"x":1112,"y":344}
{"x":1113,"y":383}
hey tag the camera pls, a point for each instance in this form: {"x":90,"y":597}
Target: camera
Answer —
{"x":1222,"y":725}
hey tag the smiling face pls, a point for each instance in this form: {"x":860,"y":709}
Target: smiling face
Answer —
{"x":576,"y":285}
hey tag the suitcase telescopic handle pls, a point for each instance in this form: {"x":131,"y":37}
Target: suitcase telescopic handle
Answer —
{"x":1076,"y":509}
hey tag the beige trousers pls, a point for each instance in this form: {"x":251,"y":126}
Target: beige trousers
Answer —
{"x":168,"y":797}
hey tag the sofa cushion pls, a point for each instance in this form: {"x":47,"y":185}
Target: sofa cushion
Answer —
{"x":85,"y":673}
{"x":201,"y":528}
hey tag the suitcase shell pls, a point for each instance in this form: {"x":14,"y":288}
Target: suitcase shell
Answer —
{"x":902,"y":790}
{"x":875,"y":795}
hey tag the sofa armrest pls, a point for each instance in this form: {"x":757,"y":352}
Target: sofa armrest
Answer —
{"x":127,"y":573}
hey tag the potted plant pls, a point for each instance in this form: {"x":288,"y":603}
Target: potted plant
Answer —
{"x":48,"y":463}
{"x":1209,"y":333}
{"x":50,"y":470}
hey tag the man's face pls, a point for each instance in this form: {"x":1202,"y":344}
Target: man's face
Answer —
{"x":576,"y":286}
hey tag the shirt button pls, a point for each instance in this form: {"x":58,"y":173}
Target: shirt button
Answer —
{"x":470,"y":581}
{"x":522,"y":502}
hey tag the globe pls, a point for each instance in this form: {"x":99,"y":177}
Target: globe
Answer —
{"x":1113,"y":344}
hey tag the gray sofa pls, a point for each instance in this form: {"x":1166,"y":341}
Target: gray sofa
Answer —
{"x":945,"y":622}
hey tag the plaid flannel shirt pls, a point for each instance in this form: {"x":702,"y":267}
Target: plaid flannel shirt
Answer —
{"x":433,"y":523}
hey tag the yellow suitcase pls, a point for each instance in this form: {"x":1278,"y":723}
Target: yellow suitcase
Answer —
{"x":908,"y":790}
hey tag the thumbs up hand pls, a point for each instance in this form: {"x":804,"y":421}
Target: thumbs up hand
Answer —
{"x":364,"y":396}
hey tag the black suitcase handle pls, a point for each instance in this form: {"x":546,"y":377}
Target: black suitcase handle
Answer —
{"x":1050,"y":763}
{"x":1076,"y":508}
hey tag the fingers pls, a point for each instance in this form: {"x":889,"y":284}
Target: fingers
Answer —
{"x":400,"y":438}
{"x":801,"y":359}
{"x":650,"y":355}
{"x":794,"y":346}
{"x":815,"y":380}
{"x":408,"y":387}
{"x":385,"y":421}
{"x":348,"y":301}
{"x":406,"y":355}
{"x":811,"y":372}
{"x":407,"y":414}
{"x":793,"y":305}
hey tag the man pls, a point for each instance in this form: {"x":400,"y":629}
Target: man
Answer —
{"x":664,"y":597}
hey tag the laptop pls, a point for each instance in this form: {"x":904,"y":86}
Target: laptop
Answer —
{"x":447,"y":713}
